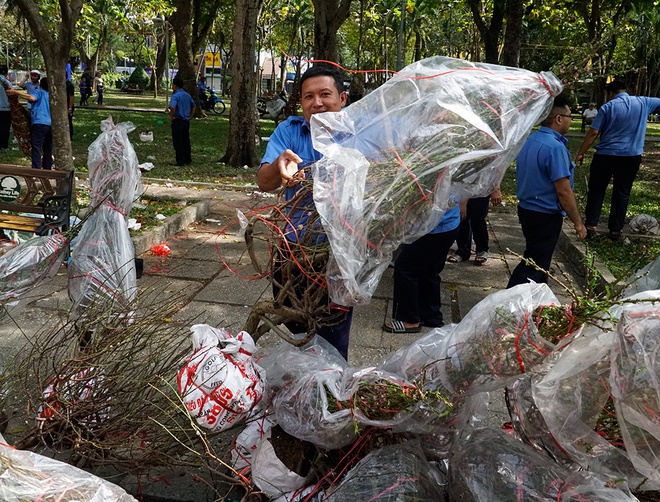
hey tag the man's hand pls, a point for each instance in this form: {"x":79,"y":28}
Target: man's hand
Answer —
{"x":581,"y":230}
{"x":496,"y":197}
{"x":579,"y":159}
{"x":282,"y":172}
{"x":287,"y":166}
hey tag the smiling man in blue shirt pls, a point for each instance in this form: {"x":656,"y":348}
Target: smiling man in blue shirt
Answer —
{"x":621,"y":123}
{"x":544,"y":171}
{"x":289,"y":149}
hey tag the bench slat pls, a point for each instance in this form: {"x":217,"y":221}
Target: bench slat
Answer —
{"x":22,"y":223}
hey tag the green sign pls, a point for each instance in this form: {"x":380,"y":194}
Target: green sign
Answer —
{"x":10,"y":189}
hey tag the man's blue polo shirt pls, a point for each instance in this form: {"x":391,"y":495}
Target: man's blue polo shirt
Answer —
{"x":450,"y":220}
{"x":41,"y":107}
{"x":622,"y":124}
{"x":4,"y":100}
{"x":544,"y":159}
{"x":182,"y":104}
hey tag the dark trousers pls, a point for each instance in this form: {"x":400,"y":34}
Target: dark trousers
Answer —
{"x":338,"y":330}
{"x":42,"y":146}
{"x":541,"y":231}
{"x":181,"y":141}
{"x":99,"y":97}
{"x":417,"y":279}
{"x":5,"y":125}
{"x":603,"y":169}
{"x":473,"y":226}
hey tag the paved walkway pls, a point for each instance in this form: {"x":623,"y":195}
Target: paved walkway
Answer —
{"x":216,"y":296}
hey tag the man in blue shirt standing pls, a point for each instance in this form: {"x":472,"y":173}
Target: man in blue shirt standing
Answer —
{"x":182,"y":107}
{"x":621,"y":123}
{"x":41,"y":132}
{"x":289,"y":148}
{"x":544,"y":171}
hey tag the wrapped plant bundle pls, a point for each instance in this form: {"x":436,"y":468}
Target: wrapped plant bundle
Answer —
{"x":496,"y":342}
{"x":29,"y":476}
{"x":24,"y":266}
{"x":102,"y":267}
{"x":494,"y":467}
{"x":635,"y":381}
{"x":440,"y":131}
{"x":575,"y":399}
{"x":397,"y":472}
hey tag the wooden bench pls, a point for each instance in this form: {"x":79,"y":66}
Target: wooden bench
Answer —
{"x":40,"y":192}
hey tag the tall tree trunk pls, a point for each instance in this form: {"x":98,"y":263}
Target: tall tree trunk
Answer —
{"x":513,"y":33}
{"x":181,"y":21}
{"x":329,"y":15}
{"x":241,"y":150}
{"x":490,"y":34}
{"x":55,"y":48}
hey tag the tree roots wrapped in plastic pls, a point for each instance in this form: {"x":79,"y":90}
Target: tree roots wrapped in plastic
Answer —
{"x":441,"y":131}
{"x":102,"y":267}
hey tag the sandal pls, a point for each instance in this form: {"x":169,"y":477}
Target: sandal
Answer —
{"x":455,"y":258}
{"x":481,"y":258}
{"x":400,"y":327}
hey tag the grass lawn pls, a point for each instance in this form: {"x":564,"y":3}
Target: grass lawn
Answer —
{"x":209,"y":138}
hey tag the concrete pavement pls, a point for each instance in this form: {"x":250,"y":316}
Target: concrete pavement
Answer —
{"x":221,"y":297}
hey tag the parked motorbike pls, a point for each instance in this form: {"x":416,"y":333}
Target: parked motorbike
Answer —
{"x":271,"y":108}
{"x":212,"y":103}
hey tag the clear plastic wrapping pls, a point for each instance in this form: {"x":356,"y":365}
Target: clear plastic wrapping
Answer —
{"x":394,"y":473}
{"x":29,"y":476}
{"x":496,"y":342}
{"x":635,"y":381}
{"x":102,"y":267}
{"x":440,"y":131}
{"x":24,"y":266}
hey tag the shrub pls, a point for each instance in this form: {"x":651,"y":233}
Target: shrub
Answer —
{"x":139,"y":77}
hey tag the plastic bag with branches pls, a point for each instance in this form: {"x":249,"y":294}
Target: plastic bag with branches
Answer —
{"x":440,"y":131}
{"x":102,"y":267}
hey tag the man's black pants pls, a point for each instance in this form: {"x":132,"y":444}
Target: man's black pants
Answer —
{"x":603,"y":168}
{"x":181,"y":141}
{"x":541,"y":231}
{"x":42,"y":146}
{"x":5,"y":124}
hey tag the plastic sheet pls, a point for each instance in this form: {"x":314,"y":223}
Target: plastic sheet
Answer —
{"x":24,"y":266}
{"x":29,"y":476}
{"x":635,"y":381}
{"x":495,"y":467}
{"x":575,"y":399}
{"x":102,"y":266}
{"x":441,"y":131}
{"x":496,"y":342}
{"x":644,"y":224}
{"x":645,"y":279}
{"x":220,"y":384}
{"x":391,"y":474}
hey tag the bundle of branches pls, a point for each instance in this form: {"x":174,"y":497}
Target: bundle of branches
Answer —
{"x":20,"y":122}
{"x":441,"y":131}
{"x":103,"y":389}
{"x":298,"y":257}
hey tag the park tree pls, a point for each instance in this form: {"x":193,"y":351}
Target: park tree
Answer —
{"x":241,"y":149}
{"x":329,"y":15}
{"x":53,"y":26}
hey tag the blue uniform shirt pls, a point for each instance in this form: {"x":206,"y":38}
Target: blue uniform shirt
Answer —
{"x":41,"y":107}
{"x":544,"y":159}
{"x":450,"y":220}
{"x":182,"y":104}
{"x":622,"y":124}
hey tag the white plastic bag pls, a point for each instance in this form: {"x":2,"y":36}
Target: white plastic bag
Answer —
{"x":220,"y":384}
